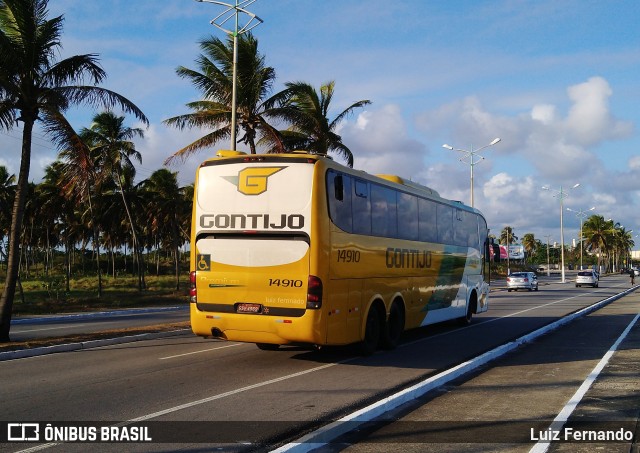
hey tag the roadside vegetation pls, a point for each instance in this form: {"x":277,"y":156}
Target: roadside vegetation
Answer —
{"x":49,"y":292}
{"x":606,"y":244}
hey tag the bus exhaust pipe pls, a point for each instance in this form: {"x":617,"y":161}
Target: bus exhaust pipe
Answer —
{"x":217,"y":333}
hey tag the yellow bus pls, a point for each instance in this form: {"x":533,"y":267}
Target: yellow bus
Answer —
{"x":298,"y":249}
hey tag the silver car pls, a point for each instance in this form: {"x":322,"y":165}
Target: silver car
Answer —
{"x":587,"y":278}
{"x":522,"y":280}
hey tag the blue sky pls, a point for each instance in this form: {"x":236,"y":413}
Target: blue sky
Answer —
{"x":556,"y":80}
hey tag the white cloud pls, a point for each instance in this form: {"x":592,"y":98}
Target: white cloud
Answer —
{"x":557,"y":147}
{"x":160,"y":142}
{"x":546,"y":113}
{"x":379,"y":141}
{"x":590,"y":121}
{"x":634,"y":163}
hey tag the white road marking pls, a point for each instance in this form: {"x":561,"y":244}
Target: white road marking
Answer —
{"x":49,"y":328}
{"x":198,"y":352}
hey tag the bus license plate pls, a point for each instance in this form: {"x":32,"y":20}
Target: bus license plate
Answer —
{"x":248,"y":308}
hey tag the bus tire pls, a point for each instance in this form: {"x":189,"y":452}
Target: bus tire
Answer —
{"x":393,"y":327}
{"x":372,"y":332}
{"x":267,"y":346}
{"x":471,"y":308}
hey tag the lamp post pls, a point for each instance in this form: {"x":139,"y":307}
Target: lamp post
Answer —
{"x":561,"y":195}
{"x":233,"y":11}
{"x":548,"y":264}
{"x":581,"y":215}
{"x":471,"y":155}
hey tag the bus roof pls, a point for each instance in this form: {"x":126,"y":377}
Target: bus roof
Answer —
{"x":229,"y":156}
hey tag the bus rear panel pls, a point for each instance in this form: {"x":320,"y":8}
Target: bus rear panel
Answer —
{"x":250,"y":274}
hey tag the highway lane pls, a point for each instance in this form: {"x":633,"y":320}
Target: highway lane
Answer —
{"x":189,"y":379}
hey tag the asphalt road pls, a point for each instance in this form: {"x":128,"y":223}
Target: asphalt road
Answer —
{"x":204,"y":395}
{"x":38,"y":327}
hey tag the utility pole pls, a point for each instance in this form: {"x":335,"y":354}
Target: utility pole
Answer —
{"x":232,"y":12}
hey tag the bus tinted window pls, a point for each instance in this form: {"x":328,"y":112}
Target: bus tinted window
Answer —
{"x":339,"y":187}
{"x":445,"y":224}
{"x":361,"y":207}
{"x":384,"y":218}
{"x":358,"y":206}
{"x":428,"y":220}
{"x":465,"y":229}
{"x":408,"y":216}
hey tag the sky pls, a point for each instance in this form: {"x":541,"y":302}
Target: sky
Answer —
{"x":556,"y":80}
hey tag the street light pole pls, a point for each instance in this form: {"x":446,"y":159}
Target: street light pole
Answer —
{"x":548,"y":264}
{"x":219,"y":21}
{"x":471,"y":155}
{"x":581,"y":215}
{"x":561,"y":195}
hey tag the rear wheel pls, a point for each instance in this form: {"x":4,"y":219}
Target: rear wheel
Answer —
{"x":372,"y":333}
{"x":393,"y":327}
{"x":267,"y":346}
{"x":471,"y":307}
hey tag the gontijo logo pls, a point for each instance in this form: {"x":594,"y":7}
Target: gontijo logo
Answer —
{"x":253,"y":180}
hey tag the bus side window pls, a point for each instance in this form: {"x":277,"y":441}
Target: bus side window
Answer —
{"x":338,"y":187}
{"x":407,"y":216}
{"x":361,"y":207}
{"x":384,"y":216}
{"x":340,"y":200}
{"x":427,"y":214}
{"x":445,"y":224}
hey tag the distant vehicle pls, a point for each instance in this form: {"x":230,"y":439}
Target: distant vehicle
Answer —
{"x":636,"y":271}
{"x":522,"y":280}
{"x":589,"y":277}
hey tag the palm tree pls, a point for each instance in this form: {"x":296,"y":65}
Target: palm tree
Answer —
{"x":622,"y":242}
{"x":79,"y":184}
{"x":110,"y":142}
{"x":58,"y":206}
{"x":164,"y":200}
{"x":529,"y":243}
{"x":35,"y":85}
{"x":507,"y":237}
{"x":7,"y":194}
{"x":214,"y":78}
{"x":596,"y":232}
{"x":307,"y":111}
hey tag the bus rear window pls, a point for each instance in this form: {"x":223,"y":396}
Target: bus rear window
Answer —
{"x":252,"y":252}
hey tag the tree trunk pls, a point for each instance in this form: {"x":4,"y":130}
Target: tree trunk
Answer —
{"x":176,"y":246}
{"x":136,"y":244}
{"x":8,"y":294}
{"x":95,"y":243}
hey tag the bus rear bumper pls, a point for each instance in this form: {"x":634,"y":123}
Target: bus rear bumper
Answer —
{"x":257,"y":328}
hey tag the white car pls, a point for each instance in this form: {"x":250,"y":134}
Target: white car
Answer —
{"x":587,"y":278}
{"x":522,"y":280}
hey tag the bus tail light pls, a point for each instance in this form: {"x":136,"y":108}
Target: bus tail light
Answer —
{"x":314,"y":292}
{"x":193,"y":292}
